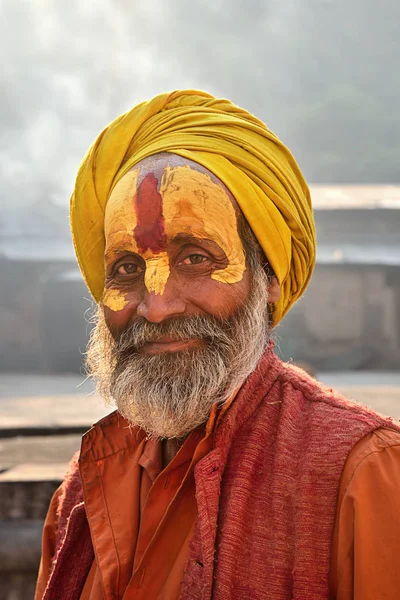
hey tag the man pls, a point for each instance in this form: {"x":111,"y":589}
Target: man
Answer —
{"x":224,"y":473}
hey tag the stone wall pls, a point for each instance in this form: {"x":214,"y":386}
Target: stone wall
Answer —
{"x":25,"y":493}
{"x":349,"y":318}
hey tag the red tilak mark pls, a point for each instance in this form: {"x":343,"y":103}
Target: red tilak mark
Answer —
{"x":150,"y":231}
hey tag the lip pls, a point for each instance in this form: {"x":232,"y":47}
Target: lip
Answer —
{"x":168,"y":344}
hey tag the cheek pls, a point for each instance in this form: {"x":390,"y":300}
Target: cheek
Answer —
{"x":118,"y":320}
{"x":221,"y":299}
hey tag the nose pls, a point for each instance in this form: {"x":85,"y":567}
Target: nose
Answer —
{"x":158,"y":307}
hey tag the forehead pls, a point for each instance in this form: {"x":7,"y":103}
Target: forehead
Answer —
{"x":163,"y":202}
{"x":169,"y":193}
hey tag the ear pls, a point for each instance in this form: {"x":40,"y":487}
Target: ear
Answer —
{"x":274,"y":290}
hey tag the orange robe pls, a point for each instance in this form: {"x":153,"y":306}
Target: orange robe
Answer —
{"x":152,"y":512}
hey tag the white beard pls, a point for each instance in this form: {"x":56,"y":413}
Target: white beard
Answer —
{"x":170,"y":394}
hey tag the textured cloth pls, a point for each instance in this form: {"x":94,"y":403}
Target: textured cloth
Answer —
{"x":239,"y":149}
{"x":369,"y":485}
{"x":158,"y":518}
{"x":266,"y":493}
{"x":158,"y":501}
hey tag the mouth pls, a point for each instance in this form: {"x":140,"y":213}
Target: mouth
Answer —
{"x":169,"y":344}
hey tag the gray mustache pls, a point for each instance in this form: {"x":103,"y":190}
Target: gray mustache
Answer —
{"x":142,"y":332}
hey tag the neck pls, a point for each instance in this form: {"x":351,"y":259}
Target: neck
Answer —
{"x":169,"y":450}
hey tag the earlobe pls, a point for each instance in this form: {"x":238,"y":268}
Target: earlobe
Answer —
{"x":274,"y":290}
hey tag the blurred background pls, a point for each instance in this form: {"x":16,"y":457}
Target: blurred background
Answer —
{"x":323,"y":74}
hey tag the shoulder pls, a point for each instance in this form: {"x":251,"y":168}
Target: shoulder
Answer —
{"x":70,"y":494}
{"x":66,"y":496}
{"x":312,"y":390}
{"x":374,"y":460}
{"x":366,"y":541}
{"x":321,"y":398}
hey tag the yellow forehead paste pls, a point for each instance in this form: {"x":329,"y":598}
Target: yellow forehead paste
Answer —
{"x":119,"y":224}
{"x":120,"y":218}
{"x":157,"y":273}
{"x":194,"y":204}
{"x":117,"y":221}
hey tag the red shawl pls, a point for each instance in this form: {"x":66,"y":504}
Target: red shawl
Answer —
{"x":266,"y":495}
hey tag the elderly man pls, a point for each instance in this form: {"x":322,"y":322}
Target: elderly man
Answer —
{"x":224,"y":473}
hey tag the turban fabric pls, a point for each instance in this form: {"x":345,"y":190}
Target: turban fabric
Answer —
{"x":239,"y":149}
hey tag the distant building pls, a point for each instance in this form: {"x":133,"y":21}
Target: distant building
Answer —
{"x":42,"y":296}
{"x":349,"y":318}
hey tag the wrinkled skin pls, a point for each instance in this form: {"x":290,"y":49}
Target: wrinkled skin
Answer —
{"x":190,"y":288}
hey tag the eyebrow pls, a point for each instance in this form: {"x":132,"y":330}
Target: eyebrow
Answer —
{"x":183,"y":236}
{"x":193,"y":240}
{"x":114,"y":255}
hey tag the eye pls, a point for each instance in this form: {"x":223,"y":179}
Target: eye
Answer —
{"x":194,"y":259}
{"x":128,"y":269}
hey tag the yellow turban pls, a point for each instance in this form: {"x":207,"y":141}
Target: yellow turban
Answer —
{"x":253,"y":163}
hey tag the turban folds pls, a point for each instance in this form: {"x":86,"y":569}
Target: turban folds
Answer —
{"x":239,"y":149}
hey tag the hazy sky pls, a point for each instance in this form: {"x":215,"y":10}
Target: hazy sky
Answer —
{"x":313,"y":70}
